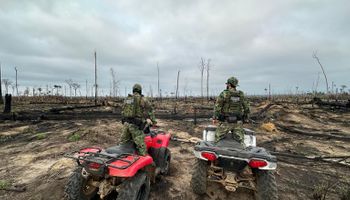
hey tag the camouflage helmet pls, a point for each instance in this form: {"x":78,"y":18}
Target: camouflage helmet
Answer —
{"x":137,"y":88}
{"x":233,"y":81}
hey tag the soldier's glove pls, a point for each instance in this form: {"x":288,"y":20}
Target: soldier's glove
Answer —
{"x":149,"y":122}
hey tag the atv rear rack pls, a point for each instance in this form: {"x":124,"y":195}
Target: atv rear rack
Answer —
{"x":104,"y":159}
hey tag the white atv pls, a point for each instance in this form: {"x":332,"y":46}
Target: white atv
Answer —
{"x":234,"y":165}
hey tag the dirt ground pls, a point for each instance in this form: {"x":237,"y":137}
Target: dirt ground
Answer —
{"x":32,"y":152}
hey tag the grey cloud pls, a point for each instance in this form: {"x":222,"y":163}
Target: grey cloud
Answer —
{"x":260,"y":42}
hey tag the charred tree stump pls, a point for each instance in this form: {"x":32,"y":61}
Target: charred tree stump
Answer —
{"x":8,"y":99}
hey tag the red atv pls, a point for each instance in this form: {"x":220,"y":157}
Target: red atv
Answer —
{"x":118,"y":170}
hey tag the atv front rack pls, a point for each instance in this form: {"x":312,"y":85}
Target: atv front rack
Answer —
{"x":102,"y":158}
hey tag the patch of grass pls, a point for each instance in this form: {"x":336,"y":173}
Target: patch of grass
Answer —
{"x":75,"y":137}
{"x":29,"y":130}
{"x":41,"y":136}
{"x":4,"y":184}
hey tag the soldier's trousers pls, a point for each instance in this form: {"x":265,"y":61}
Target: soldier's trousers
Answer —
{"x":236,"y":129}
{"x":132,"y":133}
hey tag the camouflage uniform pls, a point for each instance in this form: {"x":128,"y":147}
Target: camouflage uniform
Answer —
{"x":136,"y":109}
{"x":231,"y":108}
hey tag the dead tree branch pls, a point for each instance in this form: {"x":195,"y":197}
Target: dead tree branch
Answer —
{"x":324,"y":73}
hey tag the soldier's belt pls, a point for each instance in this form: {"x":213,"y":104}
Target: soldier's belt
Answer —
{"x":135,"y":121}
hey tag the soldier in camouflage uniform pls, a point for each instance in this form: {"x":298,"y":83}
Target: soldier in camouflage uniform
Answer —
{"x":137,"y":113}
{"x":231,"y":109}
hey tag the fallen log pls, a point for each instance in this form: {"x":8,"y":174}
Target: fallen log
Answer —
{"x":57,"y":110}
{"x":261,"y":114}
{"x":192,"y":140}
{"x":327,"y":159}
{"x":289,"y":129}
{"x":333,"y":104}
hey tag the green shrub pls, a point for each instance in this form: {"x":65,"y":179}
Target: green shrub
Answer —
{"x":4,"y":184}
{"x":40,"y":136}
{"x":75,"y":137}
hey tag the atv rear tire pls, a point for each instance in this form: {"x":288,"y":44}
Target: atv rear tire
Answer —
{"x":199,"y":177}
{"x":76,"y":188}
{"x":266,"y":185}
{"x":135,"y":188}
{"x":165,"y":162}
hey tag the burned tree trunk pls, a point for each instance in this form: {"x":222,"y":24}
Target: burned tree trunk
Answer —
{"x":8,"y":99}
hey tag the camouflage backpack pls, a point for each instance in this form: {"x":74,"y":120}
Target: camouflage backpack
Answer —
{"x":132,"y":107}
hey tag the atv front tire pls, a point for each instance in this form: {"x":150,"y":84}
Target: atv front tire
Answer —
{"x":77,"y":188}
{"x":199,"y":177}
{"x":266,"y":185}
{"x":135,"y":188}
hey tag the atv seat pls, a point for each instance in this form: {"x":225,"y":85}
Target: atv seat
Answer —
{"x":128,"y":148}
{"x":229,"y":142}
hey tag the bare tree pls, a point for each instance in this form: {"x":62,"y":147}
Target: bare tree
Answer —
{"x":177,"y":85}
{"x":208,"y":69}
{"x":16,"y":81}
{"x":158,"y":80}
{"x":95,"y":56}
{"x":86,"y":87}
{"x":69,"y":83}
{"x":7,"y":83}
{"x":317,"y":82}
{"x":151,"y":91}
{"x":115,"y":83}
{"x":26,"y":92}
{"x":342,"y":88}
{"x":40,"y":90}
{"x":75,"y":86}
{"x":110,"y":89}
{"x":57,"y":87}
{"x":324,"y":73}
{"x":201,"y":69}
{"x":185,"y":88}
{"x":269,"y":91}
{"x":13,"y":88}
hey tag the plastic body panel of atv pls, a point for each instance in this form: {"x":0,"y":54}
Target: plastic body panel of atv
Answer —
{"x":119,"y":169}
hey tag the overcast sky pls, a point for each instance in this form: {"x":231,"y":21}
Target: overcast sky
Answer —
{"x":259,"y":42}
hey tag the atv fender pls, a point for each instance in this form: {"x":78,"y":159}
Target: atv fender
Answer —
{"x":130,"y":171}
{"x":90,"y":150}
{"x":162,"y":140}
